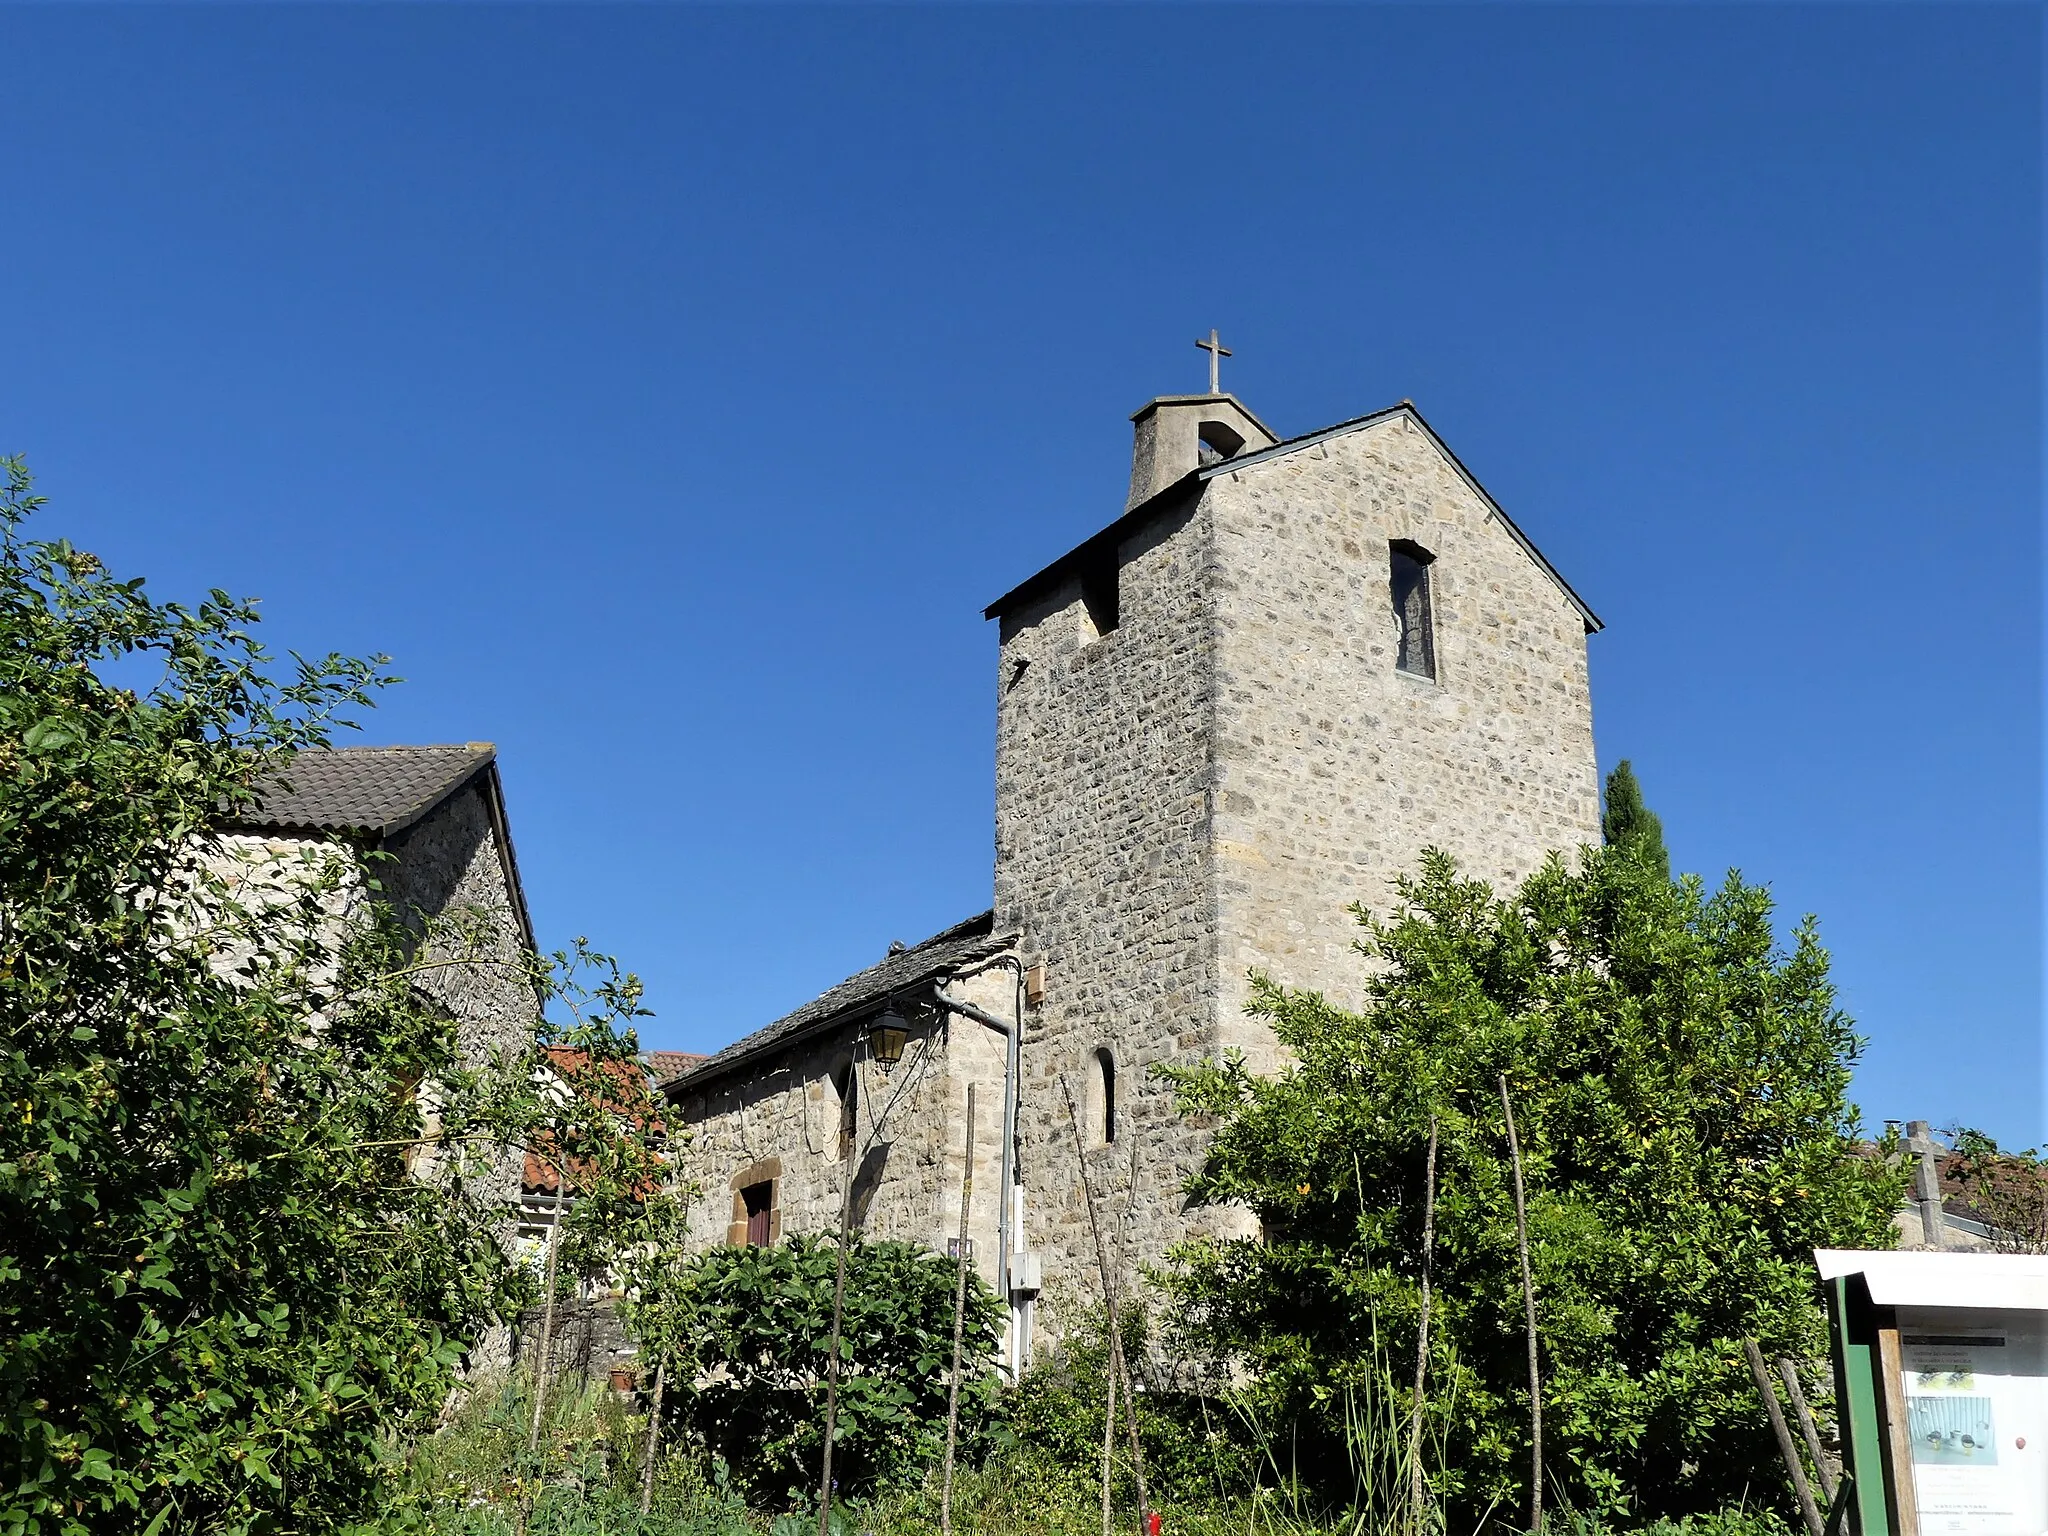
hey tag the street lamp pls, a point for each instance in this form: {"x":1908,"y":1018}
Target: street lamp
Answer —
{"x":887,"y":1035}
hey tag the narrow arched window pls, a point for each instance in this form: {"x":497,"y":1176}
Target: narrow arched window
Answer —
{"x":1106,"y":1102}
{"x":1415,"y":652}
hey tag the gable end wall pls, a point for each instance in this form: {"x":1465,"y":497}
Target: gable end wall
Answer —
{"x":1333,"y":769}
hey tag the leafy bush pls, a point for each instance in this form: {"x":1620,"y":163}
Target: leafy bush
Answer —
{"x":2006,"y":1190}
{"x":757,"y":1322}
{"x":1680,"y":1089}
{"x":223,"y":1287}
{"x":1195,"y":1443}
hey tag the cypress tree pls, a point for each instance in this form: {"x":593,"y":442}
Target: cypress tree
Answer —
{"x":1625,"y":820}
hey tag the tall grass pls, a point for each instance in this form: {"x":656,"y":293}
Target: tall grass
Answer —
{"x":1379,"y":1454}
{"x":477,"y":1477}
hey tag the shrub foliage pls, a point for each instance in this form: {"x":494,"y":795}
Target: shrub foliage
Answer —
{"x":2008,"y":1190}
{"x":751,"y":1332}
{"x":1679,"y":1082}
{"x":252,"y":1189}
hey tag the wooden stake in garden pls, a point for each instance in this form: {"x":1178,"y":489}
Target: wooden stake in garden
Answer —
{"x":1790,"y":1371}
{"x":1529,"y":1305}
{"x":1108,"y":1443}
{"x":547,"y":1318}
{"x":653,"y":1438}
{"x":959,"y":1322}
{"x":1122,"y":1376}
{"x":1417,"y":1492}
{"x":1808,"y":1511}
{"x":1109,"y":1377}
{"x":838,"y":1320}
{"x":660,"y":1364}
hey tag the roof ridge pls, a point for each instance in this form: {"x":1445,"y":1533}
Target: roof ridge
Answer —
{"x":1108,"y":538}
{"x":1408,"y":408}
{"x":972,"y":939}
{"x":403,"y":746}
{"x":981,"y":922}
{"x":378,"y":789}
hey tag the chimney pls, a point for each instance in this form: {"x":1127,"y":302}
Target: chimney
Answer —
{"x":1178,"y":434}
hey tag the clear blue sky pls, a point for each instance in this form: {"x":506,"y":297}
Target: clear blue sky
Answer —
{"x":667,"y":389}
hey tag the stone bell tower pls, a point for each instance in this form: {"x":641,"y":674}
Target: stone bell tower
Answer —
{"x":1178,"y":434}
{"x":1249,"y":702}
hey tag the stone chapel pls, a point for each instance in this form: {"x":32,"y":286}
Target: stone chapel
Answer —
{"x":1251,"y":700}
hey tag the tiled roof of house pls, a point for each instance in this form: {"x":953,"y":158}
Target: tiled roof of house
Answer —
{"x":630,"y":1094}
{"x":942,"y":953}
{"x":667,"y":1064}
{"x":383,"y":791}
{"x":366,"y":789}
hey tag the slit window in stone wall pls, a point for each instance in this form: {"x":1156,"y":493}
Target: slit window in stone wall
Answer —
{"x":1105,"y":1066}
{"x":1099,"y":594}
{"x":849,"y":1110}
{"x":1415,"y":652}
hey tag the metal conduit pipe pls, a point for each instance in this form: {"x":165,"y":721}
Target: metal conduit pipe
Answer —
{"x":1013,"y":1033}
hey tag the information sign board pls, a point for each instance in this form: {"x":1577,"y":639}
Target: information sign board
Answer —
{"x":1941,"y":1375}
{"x":1974,"y":1383}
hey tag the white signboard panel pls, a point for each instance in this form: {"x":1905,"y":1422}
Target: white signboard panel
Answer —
{"x":1977,"y":1415}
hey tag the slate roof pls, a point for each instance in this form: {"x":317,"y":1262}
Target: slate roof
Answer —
{"x":1107,"y":541}
{"x":365,"y":789}
{"x":382,"y":791}
{"x":942,"y":953}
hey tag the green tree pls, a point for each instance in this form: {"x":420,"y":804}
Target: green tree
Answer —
{"x":747,"y":1331}
{"x":1626,"y":822}
{"x":1679,"y":1083}
{"x":251,"y":1188}
{"x":2008,"y":1191}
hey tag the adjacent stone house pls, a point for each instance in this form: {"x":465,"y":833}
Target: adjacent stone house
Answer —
{"x":1250,"y":701}
{"x":438,"y":814}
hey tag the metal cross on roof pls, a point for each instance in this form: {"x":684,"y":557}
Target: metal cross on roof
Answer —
{"x":1217,"y":352}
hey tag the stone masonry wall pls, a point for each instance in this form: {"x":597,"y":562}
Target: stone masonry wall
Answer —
{"x":1102,"y":834}
{"x":1207,"y":787}
{"x":778,"y":1120}
{"x":448,"y":864}
{"x":1333,"y":769}
{"x":445,"y":864}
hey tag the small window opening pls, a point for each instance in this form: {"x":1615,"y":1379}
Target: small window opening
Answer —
{"x":1099,"y":595}
{"x":849,"y":1125}
{"x":1416,"y":652}
{"x":1215,"y":442}
{"x":759,"y":1201}
{"x":539,"y":1210}
{"x":1106,"y":1065}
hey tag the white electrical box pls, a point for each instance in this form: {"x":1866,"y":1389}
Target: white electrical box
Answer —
{"x":1024,"y":1272}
